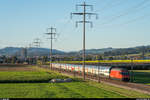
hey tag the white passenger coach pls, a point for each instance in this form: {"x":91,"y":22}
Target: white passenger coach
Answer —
{"x":93,"y":69}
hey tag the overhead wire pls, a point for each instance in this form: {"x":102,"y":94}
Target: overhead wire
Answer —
{"x":134,"y":20}
{"x":129,"y":10}
{"x":110,"y":5}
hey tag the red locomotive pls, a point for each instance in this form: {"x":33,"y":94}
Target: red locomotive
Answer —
{"x":120,"y":74}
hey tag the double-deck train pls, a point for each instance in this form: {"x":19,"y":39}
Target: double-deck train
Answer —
{"x":105,"y":71}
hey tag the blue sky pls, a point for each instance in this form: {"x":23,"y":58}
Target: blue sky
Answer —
{"x":121,"y":23}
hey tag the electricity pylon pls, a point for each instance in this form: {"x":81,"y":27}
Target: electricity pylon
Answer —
{"x":52,"y":34}
{"x":84,"y":13}
{"x":37,"y":43}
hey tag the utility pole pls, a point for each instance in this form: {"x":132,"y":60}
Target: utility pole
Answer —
{"x":52,"y":35}
{"x":84,"y":14}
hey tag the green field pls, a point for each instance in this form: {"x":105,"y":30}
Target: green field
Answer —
{"x":142,"y":76}
{"x":30,"y":74}
{"x":75,"y":89}
{"x":59,"y":90}
{"x":64,"y":90}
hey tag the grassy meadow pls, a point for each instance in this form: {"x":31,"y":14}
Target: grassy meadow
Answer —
{"x":32,"y":82}
{"x":25,"y":74}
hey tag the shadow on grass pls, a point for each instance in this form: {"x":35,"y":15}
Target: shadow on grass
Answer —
{"x":142,"y":77}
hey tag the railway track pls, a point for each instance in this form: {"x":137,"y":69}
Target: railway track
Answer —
{"x":127,"y":85}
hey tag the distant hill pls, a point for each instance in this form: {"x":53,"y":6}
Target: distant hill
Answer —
{"x":126,"y":51}
{"x":9,"y":51}
{"x":97,"y":51}
{"x":14,"y":51}
{"x":43,"y":51}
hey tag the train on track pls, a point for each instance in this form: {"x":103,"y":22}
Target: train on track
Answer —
{"x":105,"y":71}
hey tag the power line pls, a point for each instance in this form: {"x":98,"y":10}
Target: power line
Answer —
{"x":110,"y":5}
{"x":84,"y":13}
{"x":134,"y":20}
{"x":129,"y":10}
{"x":52,"y":35}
